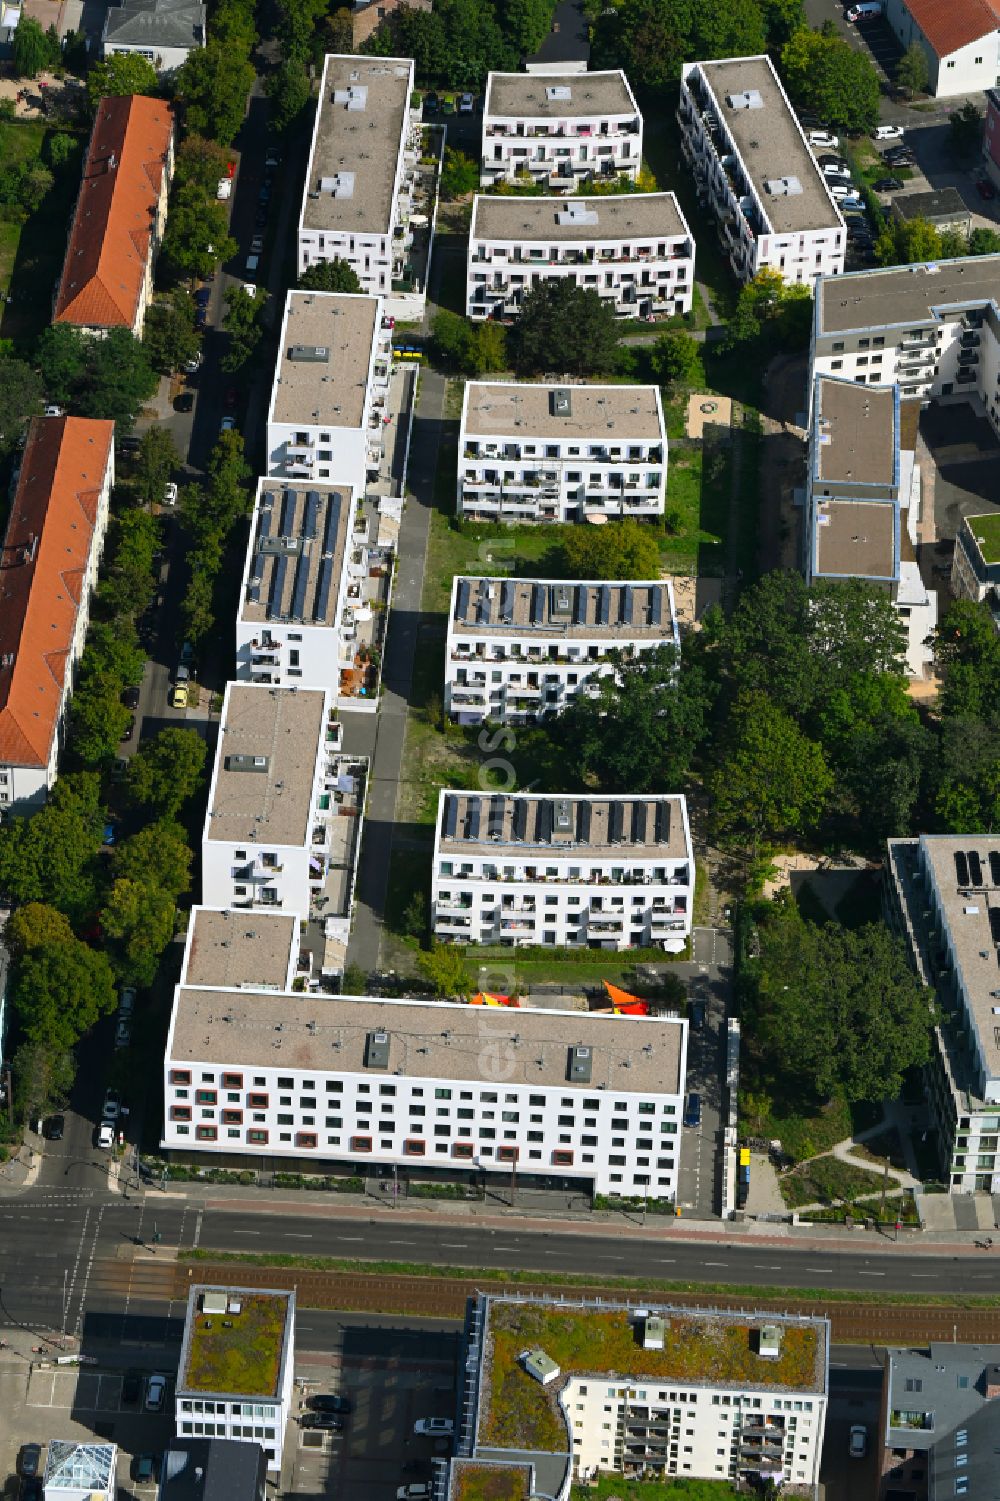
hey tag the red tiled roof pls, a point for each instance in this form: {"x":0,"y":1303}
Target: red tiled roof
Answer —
{"x":951,"y":24}
{"x":43,"y":563}
{"x":109,"y":241}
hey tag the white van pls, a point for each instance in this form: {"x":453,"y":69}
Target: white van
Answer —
{"x":867,"y":10}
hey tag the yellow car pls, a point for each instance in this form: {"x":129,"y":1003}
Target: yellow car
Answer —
{"x":179,"y":696}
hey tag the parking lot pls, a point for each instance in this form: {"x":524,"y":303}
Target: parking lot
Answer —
{"x":700,"y":1146}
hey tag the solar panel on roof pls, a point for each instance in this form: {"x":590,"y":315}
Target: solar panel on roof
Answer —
{"x":324,"y":588}
{"x":462,"y":599}
{"x":311,"y":515}
{"x":544,"y":826}
{"x":995,"y":924}
{"x":277,"y":589}
{"x":583,"y":822}
{"x":450,"y":817}
{"x":287,"y":513}
{"x":975,"y":869}
{"x":496,"y":816}
{"x":994,"y":868}
{"x":298,"y":610}
{"x":628,"y":603}
{"x":603,"y":605}
{"x":961,"y":868}
{"x":663,"y":823}
{"x":472,"y":819}
{"x":538,"y":604}
{"x":253,"y":593}
{"x":507,"y":595}
{"x":616,"y":822}
{"x":266,"y":517}
{"x":520,"y":818}
{"x":580,"y":608}
{"x":485,"y":603}
{"x":638,"y":823}
{"x":332,"y":522}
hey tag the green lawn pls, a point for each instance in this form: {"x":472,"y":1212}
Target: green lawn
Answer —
{"x":609,"y":1486}
{"x":986,"y":530}
{"x":31,"y":253}
{"x":240,"y":1353}
{"x":827,"y":1180}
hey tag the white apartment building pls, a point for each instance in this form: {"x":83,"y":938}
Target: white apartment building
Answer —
{"x":756,"y":173}
{"x":359,"y":181}
{"x":635,"y":250}
{"x":943,"y":893}
{"x":220,"y":1324}
{"x":285,"y":810}
{"x":306,"y":606}
{"x":932,"y":329}
{"x":975,"y":569}
{"x":863,"y":503}
{"x":599,"y":872}
{"x":651,"y":1392}
{"x":560,"y":453}
{"x":324,"y":420}
{"x":562,"y":129}
{"x":52,"y":548}
{"x":427,"y":1088}
{"x":520,"y":650}
{"x":229,"y":948}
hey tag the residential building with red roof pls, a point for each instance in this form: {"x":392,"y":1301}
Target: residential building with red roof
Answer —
{"x":960,"y":37}
{"x":48,"y":569}
{"x":107,"y":276}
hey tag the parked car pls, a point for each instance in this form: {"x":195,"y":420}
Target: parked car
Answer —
{"x":184,"y":402}
{"x":105,"y":1136}
{"x":899,"y":154}
{"x":156,"y":1388}
{"x":421,"y":1490}
{"x":112,"y":1105}
{"x":54,"y":1127}
{"x":263,"y":193}
{"x":129,"y":729}
{"x":887,"y":133}
{"x":823,"y":138}
{"x":257,"y":245}
{"x":201,"y":318}
{"x":868,"y":10}
{"x":203,"y":297}
{"x":193,"y":365}
{"x":31,"y":1455}
{"x":692,"y":1110}
{"x":227,"y":424}
{"x":32,"y":1488}
{"x":829,"y":159}
{"x":852,"y":201}
{"x":327,"y":1421}
{"x":179,"y":696}
{"x":837,"y":173}
{"x":54,"y":411}
{"x":985,"y":188}
{"x":260,"y":218}
{"x":109,"y":834}
{"x":130,"y":1388}
{"x":273,"y":157}
{"x":857,"y":1446}
{"x":888,"y":185}
{"x":170,"y":493}
{"x":431,"y":103}
{"x":698,"y":1015}
{"x":126,"y":1000}
{"x":129,"y":445}
{"x":434,"y":1427}
{"x":840,"y":189}
{"x":144,"y":1468}
{"x":130,"y":698}
{"x":466,"y":105}
{"x":329,"y":1402}
{"x":229,"y":400}
{"x":123,"y":1034}
{"x":250,"y":288}
{"x":187,"y":654}
{"x":224,"y":188}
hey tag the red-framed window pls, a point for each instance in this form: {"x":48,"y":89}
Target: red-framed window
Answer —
{"x":508,"y":1154}
{"x":257,"y":1101}
{"x":180,"y":1076}
{"x":206,"y":1096}
{"x":232,"y":1081}
{"x":562,"y":1157}
{"x":361,"y":1143}
{"x":415,"y":1146}
{"x":462,"y":1149}
{"x":256,"y":1137}
{"x":206,"y":1133}
{"x":232,"y":1117}
{"x":180,"y":1112}
{"x":306,"y":1138}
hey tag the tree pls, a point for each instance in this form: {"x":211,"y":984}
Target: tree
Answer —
{"x":31,"y":49}
{"x":200,"y":163}
{"x":21,"y":395}
{"x":169,"y":333}
{"x":965,"y":130}
{"x":652,"y":38}
{"x":984,"y":242}
{"x":138,"y":920}
{"x":109,"y":377}
{"x":121,"y":73}
{"x":288,"y":91}
{"x":213,"y":85}
{"x":908,"y":242}
{"x":768,"y":301}
{"x":330,"y":276}
{"x":157,"y":461}
{"x":967,"y":653}
{"x":675,"y":359}
{"x":455,"y":45}
{"x":166,"y":772}
{"x":665,"y":711}
{"x":355,"y":980}
{"x":197,"y":235}
{"x":63,"y":151}
{"x":565,"y":327}
{"x":242,"y":323}
{"x":51,"y":856}
{"x":36,"y":925}
{"x":526,"y":23}
{"x":459,"y":175}
{"x":770,"y":781}
{"x":128,"y":584}
{"x":619,"y":550}
{"x":60,"y":991}
{"x":98,"y":721}
{"x":444,"y":968}
{"x":473,"y":349}
{"x":913,"y":71}
{"x":43,"y":1079}
{"x":823,"y":72}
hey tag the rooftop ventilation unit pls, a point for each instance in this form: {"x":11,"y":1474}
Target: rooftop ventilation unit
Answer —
{"x":769,"y":1342}
{"x":539,"y":1365}
{"x":561,"y":602}
{"x":581,"y":1065}
{"x":214,"y":1303}
{"x":561,"y":402}
{"x":248,"y":763}
{"x":562,"y":816}
{"x":340,"y":185}
{"x":746,"y":99}
{"x":278,"y":547}
{"x":355,"y":97}
{"x":377,"y":1050}
{"x":558,"y":93}
{"x":782,"y":187}
{"x":576,"y":213}
{"x":653,"y":1332}
{"x":312,"y":354}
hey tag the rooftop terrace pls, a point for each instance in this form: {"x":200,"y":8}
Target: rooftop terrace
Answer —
{"x":598,"y":414}
{"x":858,"y":432}
{"x":559,"y":96}
{"x":234,"y":1353}
{"x":985,"y":532}
{"x":239,"y":948}
{"x":857,"y":539}
{"x":360,"y":125}
{"x":620,"y":216}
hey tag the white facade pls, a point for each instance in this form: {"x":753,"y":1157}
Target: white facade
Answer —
{"x":520,"y":650}
{"x":359,"y":180}
{"x":600,"y":872}
{"x":961,"y":42}
{"x":165,"y":32}
{"x":369,"y":1083}
{"x":285,"y":809}
{"x":560,"y":453}
{"x":751,"y":1409}
{"x":932,"y":329}
{"x":252,"y":1417}
{"x":634,"y":250}
{"x":325,"y":416}
{"x":561,"y":129}
{"x":755,"y":172}
{"x":975,"y":569}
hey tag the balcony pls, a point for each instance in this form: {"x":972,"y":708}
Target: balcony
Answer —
{"x":454,"y":904}
{"x":921,"y":341}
